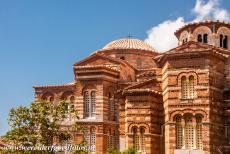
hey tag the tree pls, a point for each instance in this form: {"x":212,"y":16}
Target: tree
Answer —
{"x":38,"y":124}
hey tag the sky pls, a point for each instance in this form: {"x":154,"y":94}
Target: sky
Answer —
{"x":40,"y":40}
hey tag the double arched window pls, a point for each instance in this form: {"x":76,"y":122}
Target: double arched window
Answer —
{"x":224,"y":41}
{"x":187,"y":87}
{"x":202,"y":38}
{"x":188,"y":132}
{"x":139,"y":138}
{"x":89,"y":103}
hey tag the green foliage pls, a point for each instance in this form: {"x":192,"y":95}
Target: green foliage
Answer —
{"x":130,"y":151}
{"x":38,"y":124}
{"x":113,"y":151}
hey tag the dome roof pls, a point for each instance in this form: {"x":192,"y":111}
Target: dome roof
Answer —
{"x":128,"y":43}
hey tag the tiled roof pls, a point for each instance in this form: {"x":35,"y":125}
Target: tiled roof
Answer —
{"x":56,"y":86}
{"x":128,"y":43}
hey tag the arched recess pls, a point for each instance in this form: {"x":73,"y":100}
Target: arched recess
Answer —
{"x":48,"y":96}
{"x":67,"y":96}
{"x":183,"y":37}
{"x":139,"y":125}
{"x":223,"y":32}
{"x":182,"y":113}
{"x":203,"y":31}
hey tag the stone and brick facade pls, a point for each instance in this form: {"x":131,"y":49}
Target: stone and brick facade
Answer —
{"x":129,"y":95}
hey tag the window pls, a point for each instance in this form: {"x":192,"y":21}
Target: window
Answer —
{"x":90,"y":103}
{"x":122,"y":58}
{"x":189,"y":135}
{"x":179,"y":133}
{"x":184,"y":87}
{"x":187,"y":87}
{"x":191,"y":87}
{"x":199,"y":132}
{"x":225,"y":42}
{"x":135,"y":139}
{"x":199,"y":38}
{"x":110,"y":139}
{"x":139,"y":138}
{"x":142,"y":139}
{"x":90,"y":137}
{"x":205,"y":38}
{"x":111,"y":107}
{"x":221,"y":40}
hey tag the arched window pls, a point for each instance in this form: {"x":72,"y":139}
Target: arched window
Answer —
{"x":221,"y":40}
{"x":135,"y":139}
{"x":199,"y":132}
{"x":87,"y":103}
{"x":205,"y":38}
{"x":93,"y":103}
{"x":110,"y":141}
{"x":111,"y":107}
{"x":225,"y":42}
{"x":184,"y":87}
{"x":191,"y":86}
{"x":142,"y":139}
{"x":90,"y":103}
{"x":90,"y":137}
{"x":179,"y":133}
{"x":199,"y":38}
{"x":189,"y":132}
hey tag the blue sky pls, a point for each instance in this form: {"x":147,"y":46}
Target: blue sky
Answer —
{"x":40,"y":40}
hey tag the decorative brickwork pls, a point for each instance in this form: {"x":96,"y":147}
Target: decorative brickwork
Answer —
{"x":128,"y":95}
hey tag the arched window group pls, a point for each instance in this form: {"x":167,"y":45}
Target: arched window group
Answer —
{"x":69,"y":99}
{"x":187,"y":87}
{"x":139,"y":138}
{"x":49,"y":97}
{"x":188,"y":132}
{"x":224,"y":41}
{"x":90,"y":136}
{"x":89,"y":103}
{"x":202,"y":38}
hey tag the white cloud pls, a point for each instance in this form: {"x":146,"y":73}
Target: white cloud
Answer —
{"x":162,"y":38}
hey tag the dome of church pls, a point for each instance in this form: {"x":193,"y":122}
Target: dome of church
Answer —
{"x":128,"y":43}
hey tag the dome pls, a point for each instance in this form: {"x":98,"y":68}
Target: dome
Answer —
{"x":128,"y":43}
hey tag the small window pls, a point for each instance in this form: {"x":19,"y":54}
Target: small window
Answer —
{"x":205,"y":38}
{"x":199,"y":38}
{"x":225,"y":42}
{"x":221,"y":40}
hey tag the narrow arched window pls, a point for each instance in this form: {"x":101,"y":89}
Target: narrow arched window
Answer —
{"x":199,"y":38}
{"x":221,"y":40}
{"x":191,"y":86}
{"x":93,"y":137}
{"x":93,"y":104}
{"x":87,"y":103}
{"x":142,"y":139}
{"x":225,"y":42}
{"x":111,"y":107}
{"x":199,"y":132}
{"x":205,"y":38}
{"x":135,"y":139}
{"x":179,"y":133}
{"x":183,"y":87}
{"x":189,"y":133}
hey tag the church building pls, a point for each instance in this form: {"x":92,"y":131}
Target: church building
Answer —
{"x":129,"y":95}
